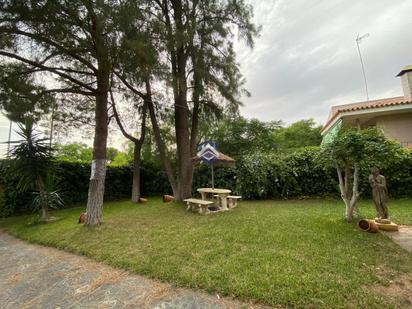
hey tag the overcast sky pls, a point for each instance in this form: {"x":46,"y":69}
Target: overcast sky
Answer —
{"x":306,"y":58}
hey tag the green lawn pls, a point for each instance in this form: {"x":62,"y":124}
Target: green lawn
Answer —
{"x":290,"y":253}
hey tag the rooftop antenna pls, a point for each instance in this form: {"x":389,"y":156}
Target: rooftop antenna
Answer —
{"x":359,"y":40}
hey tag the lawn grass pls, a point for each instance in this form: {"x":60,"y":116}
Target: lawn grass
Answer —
{"x":289,"y":253}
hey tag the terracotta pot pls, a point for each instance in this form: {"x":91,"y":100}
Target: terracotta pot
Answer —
{"x":368,"y":225}
{"x":387,"y":227}
{"x":142,"y":200}
{"x":168,"y":198}
{"x":83,"y":217}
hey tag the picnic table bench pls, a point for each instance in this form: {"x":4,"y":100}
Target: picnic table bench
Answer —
{"x":232,"y":200}
{"x":200,"y":205}
{"x":222,"y":193}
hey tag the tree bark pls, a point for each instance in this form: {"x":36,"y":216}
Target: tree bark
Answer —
{"x":98,"y":169}
{"x":44,"y":208}
{"x":44,"y":213}
{"x":195,"y":125}
{"x":355,"y":192}
{"x":136,"y":172}
{"x":349,"y":194}
{"x":184,"y":159}
{"x":184,"y":162}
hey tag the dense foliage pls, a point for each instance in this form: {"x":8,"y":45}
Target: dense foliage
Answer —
{"x":81,"y":153}
{"x":73,"y":179}
{"x":239,"y":136}
{"x":299,"y":174}
{"x":299,"y":134}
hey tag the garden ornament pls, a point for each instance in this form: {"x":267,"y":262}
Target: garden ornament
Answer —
{"x":379,"y":193}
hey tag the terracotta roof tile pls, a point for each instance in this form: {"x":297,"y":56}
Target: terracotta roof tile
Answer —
{"x":337,"y":109}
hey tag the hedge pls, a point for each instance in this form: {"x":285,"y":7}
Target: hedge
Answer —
{"x":73,"y":182}
{"x":256,"y":176}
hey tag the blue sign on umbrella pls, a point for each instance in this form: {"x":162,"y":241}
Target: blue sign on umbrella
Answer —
{"x":207,"y":152}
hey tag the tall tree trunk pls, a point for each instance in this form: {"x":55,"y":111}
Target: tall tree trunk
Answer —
{"x":98,"y":170}
{"x":184,"y":159}
{"x":136,"y":172}
{"x":178,"y":56}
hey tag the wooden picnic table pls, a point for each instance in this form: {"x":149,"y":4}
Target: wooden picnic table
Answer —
{"x":223,"y":194}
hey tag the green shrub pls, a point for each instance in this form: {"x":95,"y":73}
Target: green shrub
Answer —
{"x":4,"y":212}
{"x":73,"y":184}
{"x":397,"y":170}
{"x":256,"y":176}
{"x":294,"y":175}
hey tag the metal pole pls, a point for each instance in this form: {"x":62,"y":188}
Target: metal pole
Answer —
{"x":213,"y":178}
{"x":358,"y":39}
{"x":8,"y":143}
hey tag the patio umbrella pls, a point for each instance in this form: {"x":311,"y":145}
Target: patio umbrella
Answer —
{"x":208,"y":154}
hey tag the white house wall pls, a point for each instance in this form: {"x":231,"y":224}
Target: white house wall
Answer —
{"x":398,"y":127}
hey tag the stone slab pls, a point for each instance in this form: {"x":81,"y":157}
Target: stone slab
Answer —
{"x":403,"y":237}
{"x":33,"y":276}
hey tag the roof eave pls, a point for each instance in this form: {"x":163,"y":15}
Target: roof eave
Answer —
{"x":363,"y":111}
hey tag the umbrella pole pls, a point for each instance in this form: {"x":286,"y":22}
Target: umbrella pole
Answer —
{"x":213,"y":178}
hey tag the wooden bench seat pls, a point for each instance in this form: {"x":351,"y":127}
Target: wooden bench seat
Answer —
{"x":200,"y":205}
{"x":232,"y":200}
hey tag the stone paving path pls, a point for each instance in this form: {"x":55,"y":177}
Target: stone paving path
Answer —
{"x":33,"y":276}
{"x":403,"y":237}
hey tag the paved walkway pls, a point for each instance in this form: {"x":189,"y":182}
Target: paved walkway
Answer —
{"x":403,"y":237}
{"x":33,"y":276}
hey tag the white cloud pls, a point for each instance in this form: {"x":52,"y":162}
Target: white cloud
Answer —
{"x":306,"y":58}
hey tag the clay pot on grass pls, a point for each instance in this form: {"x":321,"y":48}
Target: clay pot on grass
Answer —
{"x":367,"y":225}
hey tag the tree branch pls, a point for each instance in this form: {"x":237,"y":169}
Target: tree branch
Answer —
{"x":68,"y":90}
{"x":128,"y":85}
{"x":50,"y":42}
{"x":119,"y":123}
{"x":52,"y":70}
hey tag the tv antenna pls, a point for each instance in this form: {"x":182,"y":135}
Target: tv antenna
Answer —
{"x":359,"y":40}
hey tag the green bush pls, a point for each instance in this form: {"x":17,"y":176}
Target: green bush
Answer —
{"x":3,"y":209}
{"x":73,"y":184}
{"x":15,"y":202}
{"x":257,"y":176}
{"x":294,"y":175}
{"x":398,"y":173}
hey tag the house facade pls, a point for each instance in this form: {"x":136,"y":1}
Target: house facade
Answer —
{"x":392,"y":115}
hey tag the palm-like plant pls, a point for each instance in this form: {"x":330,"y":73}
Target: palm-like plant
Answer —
{"x":32,"y":162}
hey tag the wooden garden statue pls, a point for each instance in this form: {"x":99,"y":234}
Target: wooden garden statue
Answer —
{"x":379,"y":192}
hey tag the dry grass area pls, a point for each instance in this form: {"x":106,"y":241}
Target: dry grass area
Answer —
{"x":397,"y":290}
